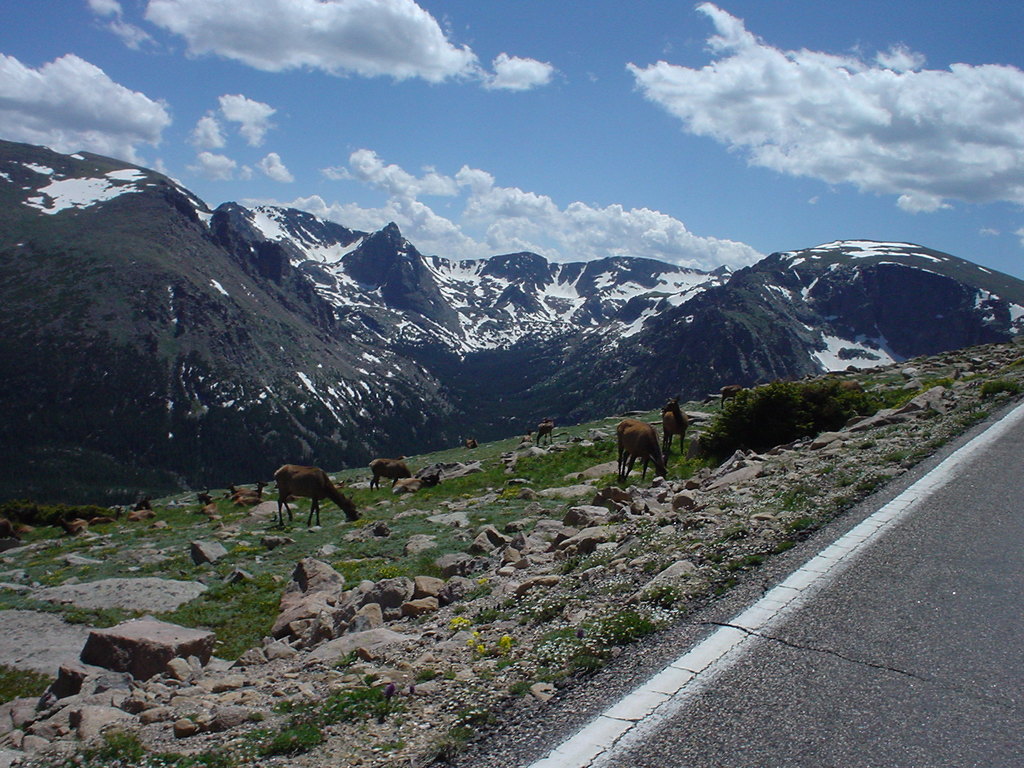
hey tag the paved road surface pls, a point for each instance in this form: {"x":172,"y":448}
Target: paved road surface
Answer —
{"x":912,"y":656}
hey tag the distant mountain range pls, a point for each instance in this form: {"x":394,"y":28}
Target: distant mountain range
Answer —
{"x":151,"y":342}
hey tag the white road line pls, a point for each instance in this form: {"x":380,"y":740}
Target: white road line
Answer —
{"x":632,"y":717}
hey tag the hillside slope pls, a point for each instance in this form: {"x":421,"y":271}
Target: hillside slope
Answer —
{"x":151,"y":343}
{"x":524,"y":575}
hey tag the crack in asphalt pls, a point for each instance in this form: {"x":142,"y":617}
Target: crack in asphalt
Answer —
{"x":969,"y":693}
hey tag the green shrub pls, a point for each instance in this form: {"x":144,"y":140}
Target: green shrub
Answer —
{"x":294,"y":740}
{"x":999,"y":386}
{"x":31,"y":513}
{"x":782,"y":412}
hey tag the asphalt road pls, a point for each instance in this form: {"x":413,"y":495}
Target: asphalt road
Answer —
{"x":913,"y":657}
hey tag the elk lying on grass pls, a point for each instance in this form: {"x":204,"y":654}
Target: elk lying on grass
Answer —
{"x":312,"y":483}
{"x":246,"y":497}
{"x":638,"y":440}
{"x":391,"y":468}
{"x":7,"y":529}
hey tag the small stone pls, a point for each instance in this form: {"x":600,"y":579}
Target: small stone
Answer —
{"x":155,"y":715}
{"x":543,"y":691}
{"x":427,"y":586}
{"x":179,"y":669}
{"x":420,"y":607}
{"x":549,"y":580}
{"x":184,"y":728}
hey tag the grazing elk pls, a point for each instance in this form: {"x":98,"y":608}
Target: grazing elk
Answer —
{"x":391,"y":468}
{"x":638,"y":440}
{"x":673,"y":422}
{"x":311,"y":483}
{"x":544,"y":429}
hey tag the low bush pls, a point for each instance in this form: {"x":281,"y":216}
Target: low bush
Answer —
{"x":31,"y":513}
{"x":1000,"y":386}
{"x":782,"y":412}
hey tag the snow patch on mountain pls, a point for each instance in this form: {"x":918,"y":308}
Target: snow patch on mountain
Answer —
{"x":61,"y":194}
{"x":840,"y":354}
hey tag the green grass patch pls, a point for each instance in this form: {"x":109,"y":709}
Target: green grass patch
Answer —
{"x":995,"y":387}
{"x":21,"y":683}
{"x":239,"y":614}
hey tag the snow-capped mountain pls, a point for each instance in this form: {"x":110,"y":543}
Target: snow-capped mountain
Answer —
{"x":472,"y":305}
{"x":149,"y":341}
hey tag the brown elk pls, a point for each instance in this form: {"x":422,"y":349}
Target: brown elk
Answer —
{"x":7,"y":529}
{"x":391,"y":468}
{"x":544,"y":429}
{"x":730,"y":390}
{"x":311,"y":483}
{"x":638,"y":440}
{"x":673,"y":422}
{"x":246,"y":497}
{"x":471,"y":443}
{"x":73,"y":527}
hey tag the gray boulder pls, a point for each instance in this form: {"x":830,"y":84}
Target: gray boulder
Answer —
{"x":142,"y":647}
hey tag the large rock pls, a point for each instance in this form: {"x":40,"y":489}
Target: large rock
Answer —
{"x":207,"y":552}
{"x":311,"y":575}
{"x":91,"y":720}
{"x":316,"y":592}
{"x":143,"y":647}
{"x":586,"y":541}
{"x":585,"y":516}
{"x":389,"y":593}
{"x":371,"y":639}
{"x":144,"y":595}
{"x":39,"y":641}
{"x":568,"y":492}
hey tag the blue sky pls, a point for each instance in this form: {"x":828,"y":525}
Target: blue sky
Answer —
{"x":700,"y":134}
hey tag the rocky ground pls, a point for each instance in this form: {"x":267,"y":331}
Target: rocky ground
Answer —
{"x":411,"y":671}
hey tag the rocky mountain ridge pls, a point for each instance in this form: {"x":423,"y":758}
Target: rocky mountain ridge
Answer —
{"x":186,"y":346}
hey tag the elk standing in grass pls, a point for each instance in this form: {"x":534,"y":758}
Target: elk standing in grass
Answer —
{"x":673,"y":422}
{"x":638,"y":440}
{"x":730,"y":391}
{"x":544,"y":429}
{"x":392,"y":468}
{"x":312,"y":483}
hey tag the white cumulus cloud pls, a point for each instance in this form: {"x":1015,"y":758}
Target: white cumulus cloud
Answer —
{"x":365,"y":166}
{"x":512,"y":73}
{"x":130,"y":35}
{"x":214,"y":166}
{"x":395,"y":38}
{"x":207,"y":133}
{"x":105,"y":7}
{"x":70,"y":104}
{"x":253,"y":117}
{"x":886,"y":127}
{"x":495,"y":219}
{"x":272,"y":166}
